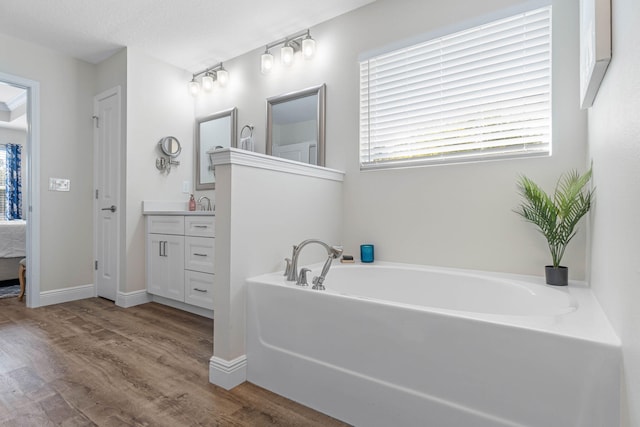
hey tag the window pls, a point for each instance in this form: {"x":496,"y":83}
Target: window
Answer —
{"x":481,"y":93}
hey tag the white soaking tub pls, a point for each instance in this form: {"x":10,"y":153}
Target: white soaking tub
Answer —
{"x":403,"y":345}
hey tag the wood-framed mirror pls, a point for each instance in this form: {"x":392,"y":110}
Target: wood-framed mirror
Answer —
{"x":212,"y":132}
{"x":296,"y":125}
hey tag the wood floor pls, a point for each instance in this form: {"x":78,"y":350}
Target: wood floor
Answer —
{"x":89,"y":362}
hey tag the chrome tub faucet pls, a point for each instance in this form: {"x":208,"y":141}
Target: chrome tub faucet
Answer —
{"x":291,"y":270}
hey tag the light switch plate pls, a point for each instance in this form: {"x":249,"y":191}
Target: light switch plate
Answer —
{"x":59,"y":184}
{"x":186,"y":187}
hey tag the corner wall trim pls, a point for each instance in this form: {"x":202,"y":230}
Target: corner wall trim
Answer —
{"x":73,"y":293}
{"x":228,"y":373}
{"x":130,"y":299}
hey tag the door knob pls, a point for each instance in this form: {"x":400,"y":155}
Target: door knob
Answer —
{"x":112,"y":208}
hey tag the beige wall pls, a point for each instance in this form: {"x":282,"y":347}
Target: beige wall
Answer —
{"x":66,"y":151}
{"x":614,"y":143}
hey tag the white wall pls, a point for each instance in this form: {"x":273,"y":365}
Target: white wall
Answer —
{"x":13,"y":136}
{"x":66,"y":151}
{"x":614,"y":143}
{"x":261,"y":214}
{"x":112,"y":72}
{"x":455,"y":215}
{"x":158,"y":105}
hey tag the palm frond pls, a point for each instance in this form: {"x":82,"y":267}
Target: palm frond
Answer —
{"x":556,"y":216}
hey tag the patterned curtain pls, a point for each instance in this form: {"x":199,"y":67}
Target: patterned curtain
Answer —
{"x":14,"y":182}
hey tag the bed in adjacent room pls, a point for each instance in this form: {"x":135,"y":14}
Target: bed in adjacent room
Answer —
{"x":12,"y":247}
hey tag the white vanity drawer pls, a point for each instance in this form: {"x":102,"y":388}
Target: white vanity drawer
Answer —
{"x":198,"y":253}
{"x":203,"y":226}
{"x":165,"y":224}
{"x":198,"y":289}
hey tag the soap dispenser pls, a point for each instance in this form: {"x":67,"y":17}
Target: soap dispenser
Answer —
{"x":192,"y":203}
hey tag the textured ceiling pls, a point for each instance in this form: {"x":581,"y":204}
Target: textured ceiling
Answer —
{"x":190,"y":34}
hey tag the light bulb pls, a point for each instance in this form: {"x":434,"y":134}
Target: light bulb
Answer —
{"x":223,"y":77}
{"x":194,"y":87}
{"x":308,"y":47}
{"x":266,"y":62}
{"x":286,"y":55}
{"x":207,"y":82}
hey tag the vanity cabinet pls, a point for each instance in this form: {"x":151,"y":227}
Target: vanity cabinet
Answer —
{"x":198,"y":260}
{"x":180,"y":257}
{"x":165,"y":256}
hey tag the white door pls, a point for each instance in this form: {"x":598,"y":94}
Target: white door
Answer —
{"x":107,"y":137}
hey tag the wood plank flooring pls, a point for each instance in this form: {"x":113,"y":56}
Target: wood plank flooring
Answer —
{"x":91,"y":363}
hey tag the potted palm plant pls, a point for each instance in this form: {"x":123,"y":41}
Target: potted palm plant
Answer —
{"x":556,"y":216}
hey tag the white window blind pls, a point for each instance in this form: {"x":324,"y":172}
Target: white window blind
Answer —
{"x":480,"y":93}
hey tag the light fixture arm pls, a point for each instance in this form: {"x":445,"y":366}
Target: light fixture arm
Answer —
{"x":213,"y":70}
{"x":292,"y":38}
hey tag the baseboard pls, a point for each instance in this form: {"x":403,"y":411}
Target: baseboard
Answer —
{"x":74,"y":293}
{"x":130,"y":299}
{"x":182,"y":306}
{"x":228,"y":373}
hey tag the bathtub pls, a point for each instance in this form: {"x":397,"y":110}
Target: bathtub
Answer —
{"x":403,"y":345}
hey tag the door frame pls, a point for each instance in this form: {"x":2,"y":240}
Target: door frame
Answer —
{"x":117,"y":91}
{"x":32,"y":189}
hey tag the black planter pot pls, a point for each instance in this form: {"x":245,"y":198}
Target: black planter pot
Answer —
{"x":556,"y":276}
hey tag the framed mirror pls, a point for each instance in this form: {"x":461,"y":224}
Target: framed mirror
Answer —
{"x":212,"y":132}
{"x":296,"y":126}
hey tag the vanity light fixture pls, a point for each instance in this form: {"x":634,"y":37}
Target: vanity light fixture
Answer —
{"x":209,"y":77}
{"x":207,"y":82}
{"x":194,"y":87}
{"x":299,"y":42}
{"x":286,"y":54}
{"x":266,"y":62}
{"x":223,"y":76}
{"x":308,"y":46}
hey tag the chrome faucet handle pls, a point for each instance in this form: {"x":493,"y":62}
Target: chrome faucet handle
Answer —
{"x":287,"y":268}
{"x":302,"y":278}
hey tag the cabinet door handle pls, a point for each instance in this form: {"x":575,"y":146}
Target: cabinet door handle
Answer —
{"x":197,"y":254}
{"x":164,"y":248}
{"x":201,"y":226}
{"x":200,"y":290}
{"x":160,"y":248}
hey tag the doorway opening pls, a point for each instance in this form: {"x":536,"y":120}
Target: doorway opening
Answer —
{"x":30,"y":175}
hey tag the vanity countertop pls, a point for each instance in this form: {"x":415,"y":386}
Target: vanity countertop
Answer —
{"x":184,"y":213}
{"x":163,"y":207}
